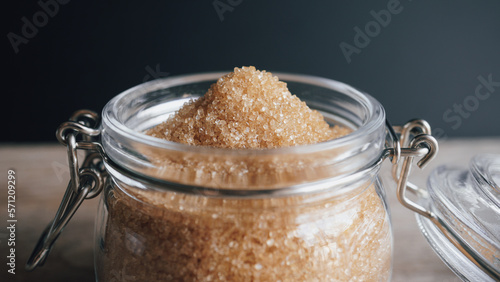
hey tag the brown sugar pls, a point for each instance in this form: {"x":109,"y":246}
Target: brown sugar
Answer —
{"x":153,"y":235}
{"x":247,"y":108}
{"x":167,"y":236}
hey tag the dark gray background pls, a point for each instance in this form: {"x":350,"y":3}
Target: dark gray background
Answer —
{"x":425,"y":60}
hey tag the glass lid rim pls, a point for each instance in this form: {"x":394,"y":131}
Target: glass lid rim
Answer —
{"x":448,"y":253}
{"x":482,"y":167}
{"x":375,"y":119}
{"x":466,"y":228}
{"x":450,"y":208}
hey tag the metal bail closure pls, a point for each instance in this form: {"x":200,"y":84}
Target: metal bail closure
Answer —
{"x":86,"y":180}
{"x":415,"y":141}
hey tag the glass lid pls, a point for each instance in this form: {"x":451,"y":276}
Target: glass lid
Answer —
{"x":465,"y":230}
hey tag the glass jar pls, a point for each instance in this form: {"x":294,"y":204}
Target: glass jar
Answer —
{"x":174,"y":212}
{"x":171,"y":211}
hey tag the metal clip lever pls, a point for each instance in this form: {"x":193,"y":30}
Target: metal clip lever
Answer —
{"x":428,"y":144}
{"x":422,"y":145}
{"x":70,"y":203}
{"x":425,"y":146}
{"x":86,"y":181}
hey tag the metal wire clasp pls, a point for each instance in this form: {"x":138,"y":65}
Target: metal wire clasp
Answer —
{"x":87,"y":180}
{"x":415,"y":141}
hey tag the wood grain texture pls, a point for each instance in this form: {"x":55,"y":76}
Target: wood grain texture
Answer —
{"x":42,"y":175}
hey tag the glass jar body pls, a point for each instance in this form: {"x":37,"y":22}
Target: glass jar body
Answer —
{"x":307,"y":213}
{"x":161,"y":236}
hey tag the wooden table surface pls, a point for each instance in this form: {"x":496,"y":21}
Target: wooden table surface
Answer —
{"x":42,"y":175}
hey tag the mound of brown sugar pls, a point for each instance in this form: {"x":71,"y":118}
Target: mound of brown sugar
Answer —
{"x":247,"y":108}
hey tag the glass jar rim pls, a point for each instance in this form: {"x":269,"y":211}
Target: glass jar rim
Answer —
{"x":375,"y":119}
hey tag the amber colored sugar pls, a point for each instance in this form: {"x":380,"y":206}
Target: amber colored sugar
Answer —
{"x":247,"y":109}
{"x":167,"y":236}
{"x":244,"y":109}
